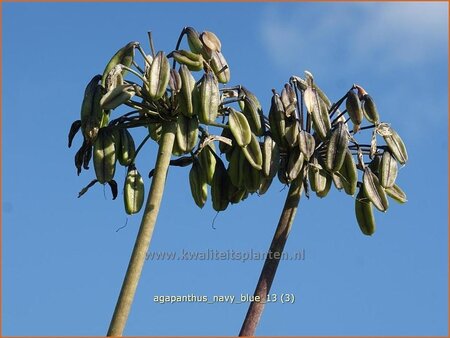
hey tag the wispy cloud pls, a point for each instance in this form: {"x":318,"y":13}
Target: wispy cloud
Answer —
{"x":396,"y":34}
{"x":397,"y":49}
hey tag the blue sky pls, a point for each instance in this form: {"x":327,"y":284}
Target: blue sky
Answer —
{"x":63,"y":261}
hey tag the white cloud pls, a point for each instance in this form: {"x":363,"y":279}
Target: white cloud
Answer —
{"x":395,"y":34}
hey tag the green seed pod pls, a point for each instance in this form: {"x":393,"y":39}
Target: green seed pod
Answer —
{"x":306,"y":143}
{"x":251,"y":108}
{"x":348,"y":174}
{"x":208,"y":161}
{"x":117,"y":96}
{"x":225,"y":148}
{"x":195,"y":44}
{"x":277,"y":121}
{"x":234,"y":167}
{"x":374,"y":191}
{"x":91,"y":111}
{"x":252,"y":177}
{"x":158,"y":76}
{"x":364,"y":213}
{"x":235,"y":194}
{"x":354,"y":109}
{"x":323,"y":193}
{"x":124,"y":56}
{"x":209,"y":98}
{"x":289,"y":100}
{"x":133,"y":192}
{"x":337,"y":148}
{"x":240,"y":128}
{"x":197,"y":182}
{"x":188,"y":91}
{"x":219,"y":187}
{"x":192,"y":61}
{"x":396,"y":194}
{"x":388,"y":170}
{"x":271,"y":157}
{"x":220,"y":67}
{"x":396,"y":146}
{"x":125,"y":147}
{"x":265,"y":185}
{"x":292,"y":132}
{"x":319,"y":112}
{"x":374,"y":165}
{"x":282,"y":175}
{"x":175,"y":81}
{"x":370,"y":109}
{"x":317,"y":175}
{"x":187,"y":133}
{"x":104,"y":156}
{"x":211,"y":41}
{"x":253,"y":153}
{"x":295,"y":163}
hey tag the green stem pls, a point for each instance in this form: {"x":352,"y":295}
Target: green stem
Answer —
{"x":144,"y":236}
{"x":273,"y":258}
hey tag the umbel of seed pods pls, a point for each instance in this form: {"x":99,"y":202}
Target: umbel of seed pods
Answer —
{"x":291,"y":143}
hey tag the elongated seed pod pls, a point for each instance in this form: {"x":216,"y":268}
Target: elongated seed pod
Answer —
{"x":319,"y":112}
{"x":220,"y":67}
{"x":317,"y":175}
{"x":271,"y":157}
{"x":370,"y":109}
{"x":396,"y":146}
{"x":348,"y":174}
{"x":133,"y":192}
{"x":211,"y":41}
{"x":277,"y":121}
{"x":187,"y":133}
{"x":324,"y":192}
{"x":158,"y":76}
{"x":235,"y":194}
{"x":195,"y":44}
{"x":234,"y":169}
{"x":253,"y":153}
{"x":117,"y":96}
{"x":289,"y":100}
{"x":208,"y":161}
{"x":266,"y":182}
{"x":388,"y":170}
{"x":125,"y":147}
{"x":197,"y":182}
{"x":337,"y":148}
{"x":219,"y":187}
{"x":225,"y":148}
{"x":252,"y":177}
{"x":124,"y":56}
{"x":397,"y":194}
{"x":240,"y":128}
{"x":292,"y":132}
{"x":364,"y":213}
{"x":374,"y":191}
{"x":91,"y":112}
{"x":104,"y":156}
{"x":251,"y":108}
{"x":295,"y":163}
{"x":192,"y":61}
{"x":188,"y":91}
{"x":306,"y":143}
{"x":209,"y":98}
{"x":354,"y":109}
